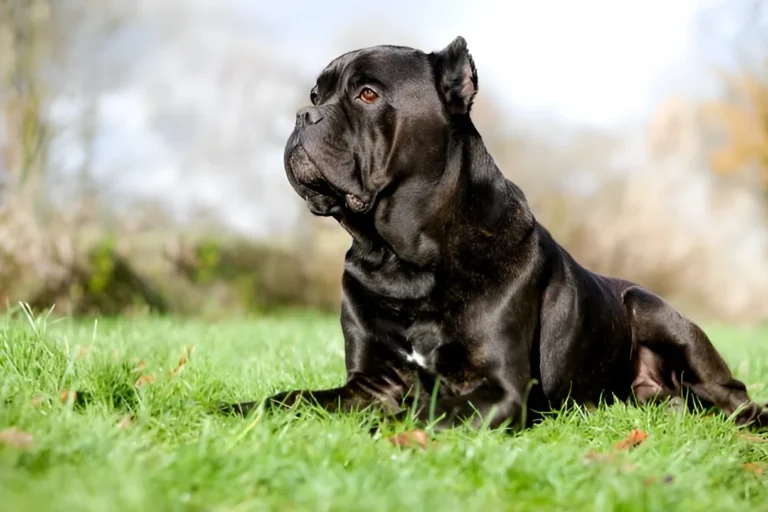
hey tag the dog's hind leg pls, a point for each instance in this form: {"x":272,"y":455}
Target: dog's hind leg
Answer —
{"x":679,"y":345}
{"x":654,"y":381}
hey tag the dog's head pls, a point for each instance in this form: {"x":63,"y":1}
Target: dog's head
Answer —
{"x":378,"y":116}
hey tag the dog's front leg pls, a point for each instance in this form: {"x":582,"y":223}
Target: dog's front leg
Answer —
{"x":358,"y":393}
{"x":489,"y":405}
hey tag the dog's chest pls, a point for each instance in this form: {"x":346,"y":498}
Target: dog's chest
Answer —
{"x":422,"y":343}
{"x":411,"y":312}
{"x":433,"y":346}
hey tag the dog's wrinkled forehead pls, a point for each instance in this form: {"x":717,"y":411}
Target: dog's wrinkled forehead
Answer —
{"x":385,"y":66}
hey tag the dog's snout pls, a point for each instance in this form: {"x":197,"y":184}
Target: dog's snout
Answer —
{"x":308,"y":116}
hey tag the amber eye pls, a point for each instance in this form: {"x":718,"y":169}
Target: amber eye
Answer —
{"x":368,"y":95}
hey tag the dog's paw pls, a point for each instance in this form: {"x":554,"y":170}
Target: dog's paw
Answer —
{"x":388,"y":420}
{"x":279,"y":401}
{"x":762,"y":418}
{"x":677,"y":404}
{"x":241,"y":409}
{"x":753,"y":415}
{"x":285,"y":400}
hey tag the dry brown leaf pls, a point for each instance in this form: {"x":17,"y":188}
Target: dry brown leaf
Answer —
{"x":67,"y":395}
{"x":410,"y":439}
{"x":183,"y":360}
{"x":140,"y":365}
{"x":593,"y":456}
{"x":753,"y":438}
{"x":754,"y":467}
{"x":635,"y":438}
{"x":652,"y":480}
{"x":145,"y":379}
{"x":125,"y":422}
{"x":15,"y":437}
{"x":186,"y":356}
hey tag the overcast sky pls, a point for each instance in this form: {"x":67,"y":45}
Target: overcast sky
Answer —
{"x":593,"y":61}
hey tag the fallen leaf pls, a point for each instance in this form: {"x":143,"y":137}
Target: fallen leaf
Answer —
{"x":628,"y":468}
{"x":180,"y":366}
{"x":410,"y":438}
{"x":67,"y":395}
{"x":125,"y":422}
{"x":652,"y":480}
{"x":753,"y":438}
{"x":15,"y":437}
{"x":183,"y":360}
{"x":140,"y":365}
{"x":754,"y":467}
{"x":635,"y":438}
{"x":145,"y":379}
{"x":593,"y":456}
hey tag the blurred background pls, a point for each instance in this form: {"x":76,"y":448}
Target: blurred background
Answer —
{"x":141,"y":144}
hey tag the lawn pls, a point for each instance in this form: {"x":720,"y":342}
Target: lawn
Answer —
{"x":115,"y":415}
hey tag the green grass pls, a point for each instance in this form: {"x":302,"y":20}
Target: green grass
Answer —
{"x":177,"y":455}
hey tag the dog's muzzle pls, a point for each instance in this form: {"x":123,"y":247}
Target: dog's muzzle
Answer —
{"x":320,"y":194}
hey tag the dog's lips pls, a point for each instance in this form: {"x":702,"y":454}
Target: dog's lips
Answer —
{"x":303,"y":168}
{"x":356,"y":204}
{"x":311,"y":179}
{"x":322,"y":205}
{"x":317,"y":190}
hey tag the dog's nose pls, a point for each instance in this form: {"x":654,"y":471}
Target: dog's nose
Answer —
{"x":308,"y":116}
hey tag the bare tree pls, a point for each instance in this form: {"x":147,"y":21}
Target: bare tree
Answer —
{"x":37,"y":43}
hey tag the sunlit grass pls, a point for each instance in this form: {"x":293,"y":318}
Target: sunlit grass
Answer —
{"x":115,"y":445}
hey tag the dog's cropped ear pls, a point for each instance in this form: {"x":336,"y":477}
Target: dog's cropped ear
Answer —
{"x":456,"y":76}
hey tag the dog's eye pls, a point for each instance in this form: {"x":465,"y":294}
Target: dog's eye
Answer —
{"x":313,"y":95}
{"x":368,"y":95}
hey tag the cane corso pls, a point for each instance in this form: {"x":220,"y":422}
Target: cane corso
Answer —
{"x":457,"y":304}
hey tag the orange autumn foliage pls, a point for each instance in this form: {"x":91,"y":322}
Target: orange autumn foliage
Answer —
{"x":742,"y":118}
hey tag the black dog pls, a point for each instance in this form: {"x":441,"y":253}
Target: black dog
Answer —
{"x":451,"y":281}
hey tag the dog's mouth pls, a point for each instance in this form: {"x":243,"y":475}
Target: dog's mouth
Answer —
{"x":356,"y":204}
{"x":330,"y":202}
{"x":323,"y":196}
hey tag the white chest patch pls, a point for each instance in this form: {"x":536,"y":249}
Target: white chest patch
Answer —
{"x":415,"y":357}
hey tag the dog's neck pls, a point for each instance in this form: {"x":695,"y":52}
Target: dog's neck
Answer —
{"x":470,"y":200}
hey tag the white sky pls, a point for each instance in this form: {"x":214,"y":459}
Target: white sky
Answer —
{"x":587,"y":60}
{"x":595,"y":61}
